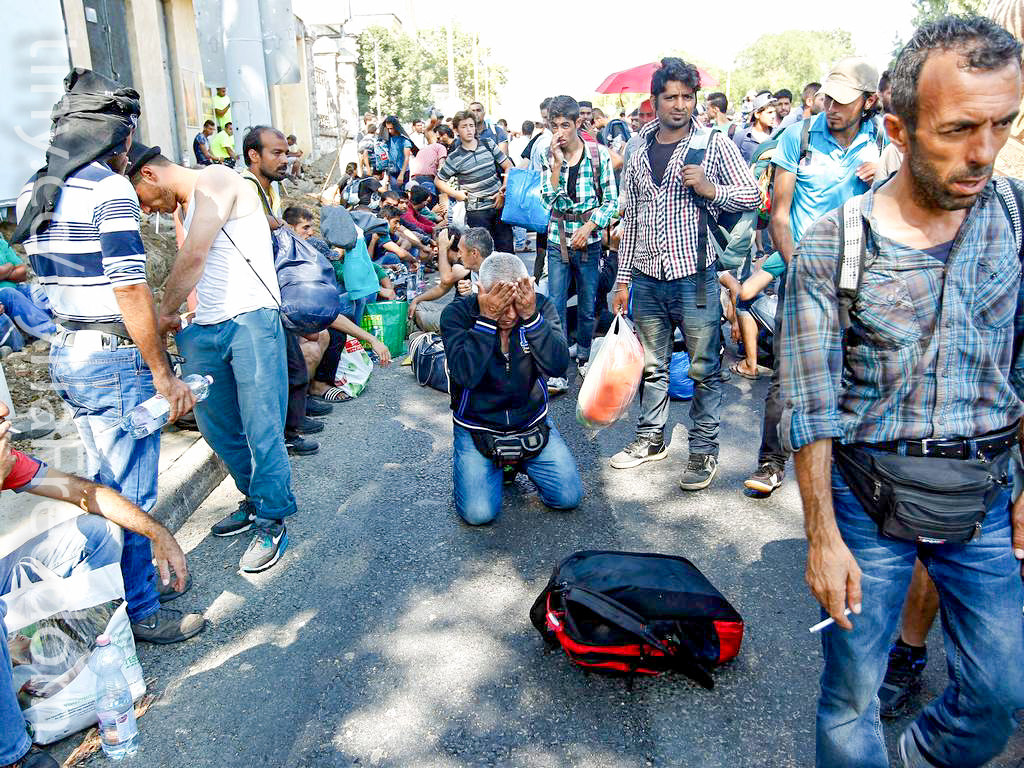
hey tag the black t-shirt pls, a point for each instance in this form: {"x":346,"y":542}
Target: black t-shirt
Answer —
{"x":940,"y":252}
{"x":573,"y":181}
{"x":197,"y":143}
{"x":659,"y":155}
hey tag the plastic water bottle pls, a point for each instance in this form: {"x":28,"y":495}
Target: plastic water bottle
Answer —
{"x":410,"y":286}
{"x":421,"y":283}
{"x":149,"y":416}
{"x":119,"y":733}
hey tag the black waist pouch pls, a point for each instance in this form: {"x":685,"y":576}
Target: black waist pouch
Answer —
{"x":506,"y":450}
{"x":921,"y":498}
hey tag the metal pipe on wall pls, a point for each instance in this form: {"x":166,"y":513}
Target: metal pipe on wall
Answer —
{"x":245,"y":66}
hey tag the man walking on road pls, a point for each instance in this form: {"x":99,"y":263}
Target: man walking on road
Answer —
{"x":837,"y":163}
{"x":108,"y":355}
{"x":893,"y":466}
{"x":236,"y":337}
{"x":684,"y":176}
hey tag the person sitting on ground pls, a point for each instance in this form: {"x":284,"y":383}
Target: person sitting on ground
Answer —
{"x":29,"y":311}
{"x":459,"y":259}
{"x":751,"y":309}
{"x":501,"y":344}
{"x":294,"y":157}
{"x":84,"y":543}
{"x":416,"y":200}
{"x":222,"y":146}
{"x":201,"y":144}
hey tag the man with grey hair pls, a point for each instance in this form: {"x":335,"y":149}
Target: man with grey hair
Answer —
{"x":459,"y":257}
{"x":502,"y":345}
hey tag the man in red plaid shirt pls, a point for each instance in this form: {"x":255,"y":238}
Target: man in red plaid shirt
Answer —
{"x":683,"y":180}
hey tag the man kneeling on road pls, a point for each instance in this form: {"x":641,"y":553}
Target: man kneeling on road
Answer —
{"x":502,"y":345}
{"x":83,"y":543}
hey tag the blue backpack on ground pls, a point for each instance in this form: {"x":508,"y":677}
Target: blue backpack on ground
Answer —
{"x":524,"y":206}
{"x":680,"y":385}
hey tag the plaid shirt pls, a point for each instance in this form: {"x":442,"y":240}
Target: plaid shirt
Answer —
{"x":930,"y":349}
{"x":586,"y":194}
{"x":660,"y":224}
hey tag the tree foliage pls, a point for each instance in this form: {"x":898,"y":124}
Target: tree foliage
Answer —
{"x":788,"y":59}
{"x":408,"y":65}
{"x":930,"y":10}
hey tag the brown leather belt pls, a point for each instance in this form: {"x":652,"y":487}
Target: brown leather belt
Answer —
{"x":563,"y":216}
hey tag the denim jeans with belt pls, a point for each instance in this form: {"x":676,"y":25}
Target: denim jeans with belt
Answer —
{"x":80,"y":544}
{"x":980,"y":587}
{"x":587,"y":274}
{"x":243,"y":416}
{"x":478,"y":478}
{"x":659,"y":307}
{"x":101,"y":386}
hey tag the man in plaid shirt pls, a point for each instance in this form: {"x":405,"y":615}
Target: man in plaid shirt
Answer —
{"x":931,"y":371}
{"x":583,"y":200}
{"x":685,"y":175}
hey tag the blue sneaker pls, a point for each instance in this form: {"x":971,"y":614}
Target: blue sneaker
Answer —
{"x":237,"y":522}
{"x":269,"y":541}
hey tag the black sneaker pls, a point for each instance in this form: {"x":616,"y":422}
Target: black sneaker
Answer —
{"x":36,"y":758}
{"x":317,"y":407}
{"x":700,"y":471}
{"x":238,"y":521}
{"x":767,"y":478}
{"x":902,"y":677}
{"x":644,"y":448}
{"x":298,"y":445}
{"x":168,"y":626}
{"x":166,"y":592}
{"x":309,"y":426}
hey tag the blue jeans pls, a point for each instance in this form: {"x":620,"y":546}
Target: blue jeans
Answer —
{"x":659,"y":307}
{"x":587,"y":274}
{"x":101,"y":387}
{"x":29,"y":318}
{"x":478,"y":479}
{"x":243,"y":416}
{"x":980,"y":587}
{"x":354,"y":309}
{"x":83,"y":543}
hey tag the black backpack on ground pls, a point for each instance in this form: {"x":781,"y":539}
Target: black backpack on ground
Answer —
{"x":429,"y":364}
{"x":637,"y":613}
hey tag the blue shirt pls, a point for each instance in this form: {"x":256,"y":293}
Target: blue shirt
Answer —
{"x":496,"y":134}
{"x":827,"y":176}
{"x":396,"y":152}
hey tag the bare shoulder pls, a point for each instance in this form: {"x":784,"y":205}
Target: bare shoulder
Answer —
{"x":218,"y":180}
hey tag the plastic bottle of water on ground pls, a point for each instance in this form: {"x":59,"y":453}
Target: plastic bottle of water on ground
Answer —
{"x":119,"y":733}
{"x":421,"y":283}
{"x":149,"y":416}
{"x":411,"y":286}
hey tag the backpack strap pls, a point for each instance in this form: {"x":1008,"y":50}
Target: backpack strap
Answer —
{"x":1012,"y":199}
{"x":595,"y":164}
{"x":805,"y":139}
{"x":851,"y":259}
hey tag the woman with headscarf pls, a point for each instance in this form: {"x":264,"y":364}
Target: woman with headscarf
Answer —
{"x":400,"y":149}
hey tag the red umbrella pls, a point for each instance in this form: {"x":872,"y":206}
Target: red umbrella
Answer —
{"x":638,"y":80}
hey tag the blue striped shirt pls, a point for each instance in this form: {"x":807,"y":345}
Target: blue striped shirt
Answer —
{"x":91,"y":246}
{"x":930,"y":350}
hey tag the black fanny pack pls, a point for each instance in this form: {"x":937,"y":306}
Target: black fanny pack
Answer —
{"x":512,"y":448}
{"x":923,"y":498}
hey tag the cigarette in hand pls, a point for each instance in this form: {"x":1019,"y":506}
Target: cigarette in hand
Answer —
{"x":826,"y":623}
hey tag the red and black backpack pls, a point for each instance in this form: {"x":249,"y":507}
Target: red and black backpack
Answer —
{"x":637,"y":613}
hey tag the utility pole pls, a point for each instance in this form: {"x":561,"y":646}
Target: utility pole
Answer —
{"x":453,"y":88}
{"x":376,"y":74}
{"x":487,"y":82}
{"x":476,"y":56}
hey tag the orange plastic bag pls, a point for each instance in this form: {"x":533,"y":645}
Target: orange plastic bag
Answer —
{"x":613,"y":377}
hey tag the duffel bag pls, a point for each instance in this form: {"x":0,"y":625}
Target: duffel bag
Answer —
{"x":637,"y":613}
{"x":429,"y":364}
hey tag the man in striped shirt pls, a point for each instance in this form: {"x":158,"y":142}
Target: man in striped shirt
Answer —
{"x":684,"y":176}
{"x":108,"y":356}
{"x":477,"y":165}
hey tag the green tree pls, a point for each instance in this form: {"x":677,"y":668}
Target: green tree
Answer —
{"x":407,"y":66}
{"x":930,"y":10}
{"x":788,"y":59}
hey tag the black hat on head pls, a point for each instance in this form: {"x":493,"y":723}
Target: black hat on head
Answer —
{"x":138,"y":156}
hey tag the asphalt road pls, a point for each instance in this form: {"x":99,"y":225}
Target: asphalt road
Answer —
{"x":391,"y":634}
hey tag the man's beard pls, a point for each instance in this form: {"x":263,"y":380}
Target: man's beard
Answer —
{"x":278,"y":175}
{"x":933,"y":192}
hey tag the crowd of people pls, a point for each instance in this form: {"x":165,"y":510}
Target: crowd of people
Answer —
{"x":853,"y":242}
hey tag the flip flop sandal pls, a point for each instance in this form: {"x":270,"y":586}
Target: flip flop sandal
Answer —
{"x":334,"y":395}
{"x":735,"y":368}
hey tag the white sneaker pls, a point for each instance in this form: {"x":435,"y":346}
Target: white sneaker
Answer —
{"x":557,"y":386}
{"x":583,"y":366}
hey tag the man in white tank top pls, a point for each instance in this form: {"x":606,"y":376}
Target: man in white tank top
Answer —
{"x":236,"y":336}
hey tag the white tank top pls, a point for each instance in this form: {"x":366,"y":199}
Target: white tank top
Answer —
{"x":229,"y":287}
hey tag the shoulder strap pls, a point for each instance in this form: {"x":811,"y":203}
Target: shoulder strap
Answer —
{"x":595,"y":164}
{"x":263,"y":196}
{"x":732,"y":129}
{"x":805,"y":139}
{"x":1012,"y":199}
{"x":851,"y":258}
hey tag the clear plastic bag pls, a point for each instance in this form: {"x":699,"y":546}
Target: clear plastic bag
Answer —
{"x":613,"y":377}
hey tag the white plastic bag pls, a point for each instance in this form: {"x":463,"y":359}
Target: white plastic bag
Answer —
{"x":459,"y":216}
{"x":354,"y":368}
{"x":613,"y":378}
{"x":52,"y":624}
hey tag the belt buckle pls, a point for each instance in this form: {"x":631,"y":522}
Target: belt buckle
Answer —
{"x":928,"y":443}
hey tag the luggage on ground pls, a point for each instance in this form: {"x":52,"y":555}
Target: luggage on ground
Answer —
{"x":429,"y":364}
{"x":387,"y":321}
{"x":637,"y":613}
{"x":680,"y":385}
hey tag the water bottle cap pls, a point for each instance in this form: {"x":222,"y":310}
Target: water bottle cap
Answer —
{"x":102,"y":640}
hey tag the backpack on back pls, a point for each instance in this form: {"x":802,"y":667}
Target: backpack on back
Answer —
{"x":380,"y":159}
{"x":637,"y":613}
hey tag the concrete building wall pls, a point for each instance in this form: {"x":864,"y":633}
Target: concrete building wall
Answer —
{"x":192,"y":97}
{"x":146,"y":37}
{"x":292,"y":105}
{"x":78,"y":35}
